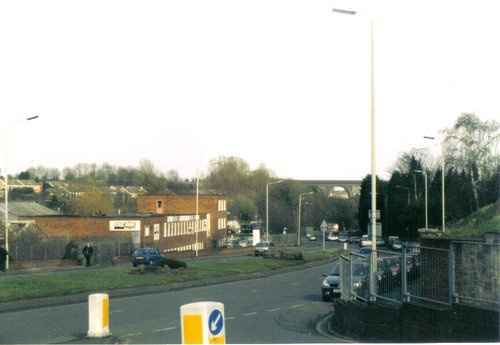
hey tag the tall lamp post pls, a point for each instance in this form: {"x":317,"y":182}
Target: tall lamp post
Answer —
{"x":197,"y":217}
{"x":6,"y":177}
{"x":300,"y":210}
{"x":425,"y":186}
{"x":407,"y":189}
{"x":373,"y":285}
{"x":443,"y":176}
{"x":267,"y":206}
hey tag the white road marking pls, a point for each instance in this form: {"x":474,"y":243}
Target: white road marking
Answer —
{"x":132,"y":335}
{"x":295,"y":283}
{"x":165,"y":329}
{"x":296,"y":306}
{"x":116,"y":311}
{"x":274,"y":309}
{"x":250,"y":314}
{"x":255,"y":291}
{"x":230,"y":318}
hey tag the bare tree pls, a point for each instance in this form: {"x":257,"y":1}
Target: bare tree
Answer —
{"x":472,"y":147}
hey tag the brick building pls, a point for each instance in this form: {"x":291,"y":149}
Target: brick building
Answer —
{"x":166,"y":222}
{"x":214,"y":206}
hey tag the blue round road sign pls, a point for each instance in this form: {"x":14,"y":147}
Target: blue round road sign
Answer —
{"x":215,"y":322}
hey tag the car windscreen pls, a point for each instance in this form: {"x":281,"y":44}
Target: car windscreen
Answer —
{"x":335,"y":270}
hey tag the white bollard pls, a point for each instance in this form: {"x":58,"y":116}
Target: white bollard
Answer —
{"x":203,"y":323}
{"x":98,"y":316}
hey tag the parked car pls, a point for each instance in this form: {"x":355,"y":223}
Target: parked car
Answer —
{"x":390,"y":241}
{"x":147,"y":256}
{"x":366,"y":251}
{"x":365,"y":241}
{"x":332,"y":237}
{"x":343,"y":237}
{"x":330,"y":287}
{"x":397,"y":245}
{"x":243,"y":243}
{"x":380,"y":241}
{"x":355,"y":239}
{"x":263,"y":248}
{"x":312,"y":238}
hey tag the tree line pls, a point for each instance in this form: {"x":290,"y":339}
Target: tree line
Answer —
{"x":471,"y":179}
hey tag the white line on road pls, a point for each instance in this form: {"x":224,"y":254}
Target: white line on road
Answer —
{"x":255,"y":291}
{"x":295,"y":283}
{"x":116,"y":311}
{"x":230,"y":318}
{"x":296,"y":306}
{"x":165,"y":329}
{"x":250,"y":314}
{"x":274,"y":309}
{"x":132,"y":335}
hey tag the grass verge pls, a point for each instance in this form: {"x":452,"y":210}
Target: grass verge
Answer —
{"x":109,"y":278}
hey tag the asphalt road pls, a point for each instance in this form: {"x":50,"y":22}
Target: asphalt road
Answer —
{"x":281,"y":308}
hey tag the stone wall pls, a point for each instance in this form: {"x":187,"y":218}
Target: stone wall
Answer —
{"x":375,"y":322}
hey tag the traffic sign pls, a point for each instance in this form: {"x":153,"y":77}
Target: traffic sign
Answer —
{"x":215,"y":322}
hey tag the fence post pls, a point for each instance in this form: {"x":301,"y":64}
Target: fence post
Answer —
{"x":452,"y":297}
{"x":404,"y":288}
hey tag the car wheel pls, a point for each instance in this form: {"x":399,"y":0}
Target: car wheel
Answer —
{"x":326,"y":298}
{"x":135,"y":265}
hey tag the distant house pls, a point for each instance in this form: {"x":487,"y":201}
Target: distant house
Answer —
{"x":16,"y":183}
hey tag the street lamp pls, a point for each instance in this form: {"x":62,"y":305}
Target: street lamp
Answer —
{"x":373,"y":157}
{"x":197,"y":212}
{"x":267,"y":206}
{"x":407,"y":189}
{"x":443,"y":175}
{"x":6,"y":177}
{"x":425,"y":186}
{"x":300,"y":209}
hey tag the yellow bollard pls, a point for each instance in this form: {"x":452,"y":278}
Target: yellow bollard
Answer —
{"x":98,"y":316}
{"x":203,"y":323}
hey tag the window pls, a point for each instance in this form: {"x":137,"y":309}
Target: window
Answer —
{"x":221,"y":205}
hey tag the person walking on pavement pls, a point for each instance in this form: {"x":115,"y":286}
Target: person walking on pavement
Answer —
{"x":3,"y":257}
{"x":87,"y":252}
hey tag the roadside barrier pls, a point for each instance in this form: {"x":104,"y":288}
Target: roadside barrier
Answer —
{"x":98,"y":316}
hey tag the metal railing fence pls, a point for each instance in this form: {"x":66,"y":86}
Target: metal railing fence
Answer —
{"x":465,"y":273}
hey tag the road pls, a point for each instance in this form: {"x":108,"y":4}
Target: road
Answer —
{"x":281,"y":308}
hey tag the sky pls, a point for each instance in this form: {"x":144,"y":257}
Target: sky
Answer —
{"x":283,"y":83}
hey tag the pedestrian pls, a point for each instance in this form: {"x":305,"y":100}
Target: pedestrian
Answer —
{"x":87,"y":252}
{"x":3,"y":257}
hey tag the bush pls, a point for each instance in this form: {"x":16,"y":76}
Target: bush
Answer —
{"x":285,"y":255}
{"x":175,"y":264}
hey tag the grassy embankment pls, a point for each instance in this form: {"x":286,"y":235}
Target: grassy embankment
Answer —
{"x":476,"y":224}
{"x":103,"y":279}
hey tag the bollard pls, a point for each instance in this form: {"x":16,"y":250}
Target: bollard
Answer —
{"x":98,"y":316}
{"x":345,"y":245}
{"x":203,"y":323}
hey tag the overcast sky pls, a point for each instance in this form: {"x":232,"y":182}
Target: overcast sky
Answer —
{"x":285,"y":83}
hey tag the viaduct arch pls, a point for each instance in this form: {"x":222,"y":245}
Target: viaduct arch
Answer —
{"x":352,"y":187}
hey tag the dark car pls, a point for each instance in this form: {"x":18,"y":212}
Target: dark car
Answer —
{"x":360,"y":278}
{"x":147,"y":256}
{"x":355,"y":239}
{"x":330,"y":287}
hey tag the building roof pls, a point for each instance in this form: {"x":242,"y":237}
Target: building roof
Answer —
{"x":25,"y":208}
